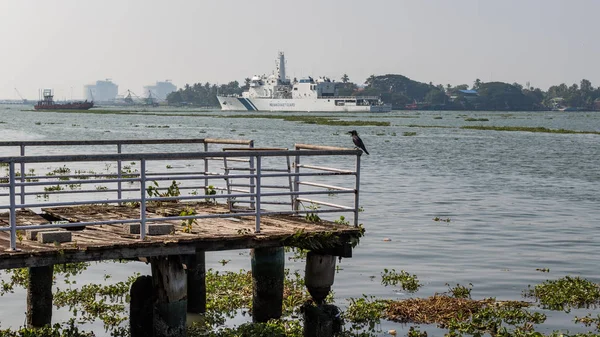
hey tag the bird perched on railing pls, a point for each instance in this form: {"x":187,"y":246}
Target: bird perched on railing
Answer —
{"x":357,"y":141}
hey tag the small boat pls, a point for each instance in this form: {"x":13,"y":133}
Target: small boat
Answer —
{"x":47,"y":103}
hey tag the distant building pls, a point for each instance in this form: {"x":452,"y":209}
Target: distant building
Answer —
{"x":102,"y":91}
{"x":469,"y":95}
{"x":597,"y":104}
{"x":160,"y":90}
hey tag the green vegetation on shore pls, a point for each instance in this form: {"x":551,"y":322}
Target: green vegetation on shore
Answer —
{"x":313,"y":120}
{"x":405,"y":93}
{"x":527,"y":129}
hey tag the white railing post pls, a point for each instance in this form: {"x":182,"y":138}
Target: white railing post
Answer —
{"x":13,"y":211}
{"x":296,"y":204}
{"x":22,"y":190}
{"x":251,"y":181}
{"x":356,"y":190}
{"x":258,"y":182}
{"x":119,"y":169}
{"x":205,"y":168}
{"x":143,"y":199}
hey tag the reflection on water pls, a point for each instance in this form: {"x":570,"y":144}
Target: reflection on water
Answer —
{"x":516,"y":201}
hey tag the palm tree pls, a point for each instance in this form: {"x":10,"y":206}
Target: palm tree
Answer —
{"x":345,"y":78}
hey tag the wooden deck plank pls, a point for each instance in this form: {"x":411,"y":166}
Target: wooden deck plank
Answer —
{"x":104,"y":242}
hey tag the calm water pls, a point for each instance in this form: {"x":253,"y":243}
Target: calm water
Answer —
{"x":517,"y":200}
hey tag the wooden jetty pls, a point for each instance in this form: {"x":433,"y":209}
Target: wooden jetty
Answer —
{"x":107,"y":242}
{"x":170,"y":218}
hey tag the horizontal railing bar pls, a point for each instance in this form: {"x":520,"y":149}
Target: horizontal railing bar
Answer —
{"x":275,"y":186}
{"x":325,"y":204}
{"x":74,"y":182}
{"x":238,"y":190}
{"x":322,"y":168}
{"x":318,"y":147}
{"x":172,"y":156}
{"x":253,"y":169}
{"x":304,"y":212}
{"x":103,"y":142}
{"x":230,"y":159}
{"x":244,"y":194}
{"x":242,"y":185}
{"x":228,"y":141}
{"x":127,"y":142}
{"x":74,"y":224}
{"x":116,"y":201}
{"x":105,"y":190}
{"x":237,"y":160}
{"x":204,"y":196}
{"x":208,"y":176}
{"x":274,"y":194}
{"x":255,"y":149}
{"x":308,"y":183}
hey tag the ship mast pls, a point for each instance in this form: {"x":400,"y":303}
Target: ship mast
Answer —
{"x":281,"y":67}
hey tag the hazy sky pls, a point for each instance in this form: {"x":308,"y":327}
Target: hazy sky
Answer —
{"x":64,"y":44}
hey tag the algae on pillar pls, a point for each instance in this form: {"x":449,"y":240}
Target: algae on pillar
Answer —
{"x":39,"y":296}
{"x":267,"y":283}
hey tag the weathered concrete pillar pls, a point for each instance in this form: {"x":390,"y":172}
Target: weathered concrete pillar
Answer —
{"x":321,"y":320}
{"x":319,"y":275}
{"x":39,"y":296}
{"x":267,"y":282}
{"x":196,"y":283}
{"x":170,"y":286}
{"x":141,"y":306}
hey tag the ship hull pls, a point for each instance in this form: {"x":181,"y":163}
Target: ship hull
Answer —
{"x":67,"y":106}
{"x":295,"y":105}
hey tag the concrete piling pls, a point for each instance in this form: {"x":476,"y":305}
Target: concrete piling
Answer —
{"x":322,"y":320}
{"x":39,"y":296}
{"x":170,"y":287}
{"x":319,"y":275}
{"x":141,"y":307}
{"x":196,"y":283}
{"x":267,"y":282}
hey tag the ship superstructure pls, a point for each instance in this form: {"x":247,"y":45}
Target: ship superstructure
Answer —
{"x":48,"y":103}
{"x":276,"y":92}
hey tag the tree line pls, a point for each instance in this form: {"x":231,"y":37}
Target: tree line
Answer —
{"x":403,"y":93}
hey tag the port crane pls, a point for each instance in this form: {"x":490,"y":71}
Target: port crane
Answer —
{"x":20,"y":96}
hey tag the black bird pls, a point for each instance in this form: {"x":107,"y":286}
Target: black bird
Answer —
{"x":357,"y":141}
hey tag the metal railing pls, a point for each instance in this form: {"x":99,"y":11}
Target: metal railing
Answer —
{"x":109,"y":146}
{"x":187,"y":177}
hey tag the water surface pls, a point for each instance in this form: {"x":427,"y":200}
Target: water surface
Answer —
{"x":516,"y":201}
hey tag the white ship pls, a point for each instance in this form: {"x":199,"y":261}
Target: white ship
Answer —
{"x":277,"y":93}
